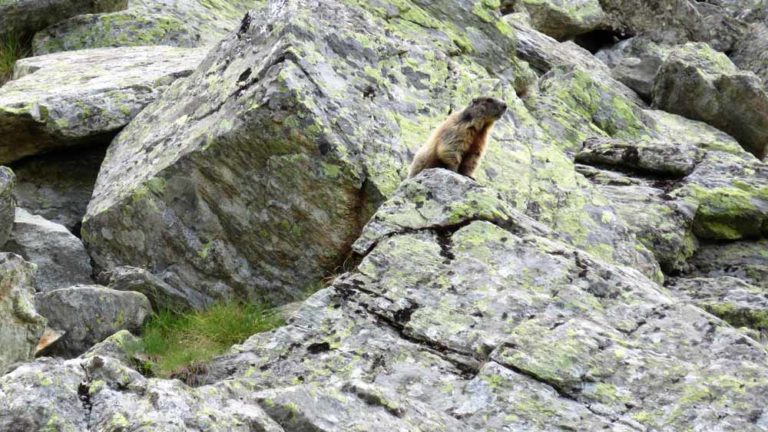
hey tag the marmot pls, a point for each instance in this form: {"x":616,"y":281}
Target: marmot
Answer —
{"x":459,"y":143}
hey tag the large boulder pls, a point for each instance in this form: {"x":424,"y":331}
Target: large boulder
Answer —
{"x":561,"y":19}
{"x":20,"y":324}
{"x":22,"y":18}
{"x":452,"y":321}
{"x":7,"y":202}
{"x":751,"y":52}
{"x":58,"y":186}
{"x":62,"y":100}
{"x":675,"y":21}
{"x":635,"y":62}
{"x":180,"y":23}
{"x":162,"y":295}
{"x":60,"y":257}
{"x":90,"y":313}
{"x":699,"y":83}
{"x":253,"y":177}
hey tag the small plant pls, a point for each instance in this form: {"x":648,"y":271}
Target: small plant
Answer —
{"x":176,"y":343}
{"x":12,"y":48}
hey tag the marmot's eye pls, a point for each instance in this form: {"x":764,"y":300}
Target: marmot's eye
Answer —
{"x":475,"y":101}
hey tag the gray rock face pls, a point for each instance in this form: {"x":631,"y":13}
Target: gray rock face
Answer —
{"x":701,"y":84}
{"x":20,"y":324}
{"x":635,"y":62}
{"x":658,"y":158}
{"x":663,"y":224}
{"x":179,"y":23}
{"x":729,"y":298}
{"x":66,"y":99}
{"x":7,"y":202}
{"x":90,"y":313}
{"x":481,"y":324}
{"x":60,"y":257}
{"x":747,"y":261}
{"x":563,"y":19}
{"x":676,"y":21}
{"x":58,"y":186}
{"x":751,"y":52}
{"x":194,"y":188}
{"x":160,"y":294}
{"x":25,"y":17}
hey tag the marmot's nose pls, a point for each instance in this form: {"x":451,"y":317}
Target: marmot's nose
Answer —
{"x":503,"y":107}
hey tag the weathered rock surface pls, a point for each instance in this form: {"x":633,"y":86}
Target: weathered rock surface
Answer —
{"x":161,"y":294}
{"x":7,"y":202}
{"x":635,"y":62}
{"x":663,"y":225}
{"x":676,"y":21}
{"x":60,"y":257}
{"x":90,"y":313}
{"x":747,"y":261}
{"x":194,"y":188}
{"x":751,"y":52}
{"x":544,"y":53}
{"x":701,"y":84}
{"x":25,"y":17}
{"x":732,"y":299}
{"x":66,"y":99}
{"x":655,"y":158}
{"x":481,"y":324}
{"x":731,"y":193}
{"x":562,"y":19}
{"x":180,"y":23}
{"x":20,"y":324}
{"x":58,"y":186}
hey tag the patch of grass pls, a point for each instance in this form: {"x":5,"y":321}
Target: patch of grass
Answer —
{"x":12,"y":48}
{"x":174,"y":344}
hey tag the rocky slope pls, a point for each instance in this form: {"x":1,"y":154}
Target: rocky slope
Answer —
{"x":607,"y":270}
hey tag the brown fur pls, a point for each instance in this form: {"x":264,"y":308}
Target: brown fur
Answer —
{"x":458,"y":144}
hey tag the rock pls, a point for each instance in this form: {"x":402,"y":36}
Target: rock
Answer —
{"x":20,"y":324}
{"x":161,"y":294}
{"x":509,"y":319}
{"x":185,"y":23}
{"x":743,"y":260}
{"x":731,"y":194}
{"x":729,"y":298}
{"x":751,"y":52}
{"x":25,"y":17}
{"x":58,"y":186}
{"x":663,"y":224}
{"x":544,"y":53}
{"x":44,"y":394}
{"x":574,"y":105}
{"x":62,"y":100}
{"x":90,"y":313}
{"x":635,"y":62}
{"x":564,"y":19}
{"x":440,"y":201}
{"x":701,"y":84}
{"x":7,"y":202}
{"x":468,"y":326}
{"x":675,"y":22}
{"x":658,"y":159}
{"x":60,"y":257}
{"x":184,"y":185}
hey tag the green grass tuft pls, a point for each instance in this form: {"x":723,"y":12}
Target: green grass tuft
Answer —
{"x":12,"y":48}
{"x":174,"y":343}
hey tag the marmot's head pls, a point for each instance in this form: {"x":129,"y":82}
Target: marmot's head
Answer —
{"x":484,"y":109}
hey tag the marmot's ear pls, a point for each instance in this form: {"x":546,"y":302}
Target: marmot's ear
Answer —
{"x":475,"y":101}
